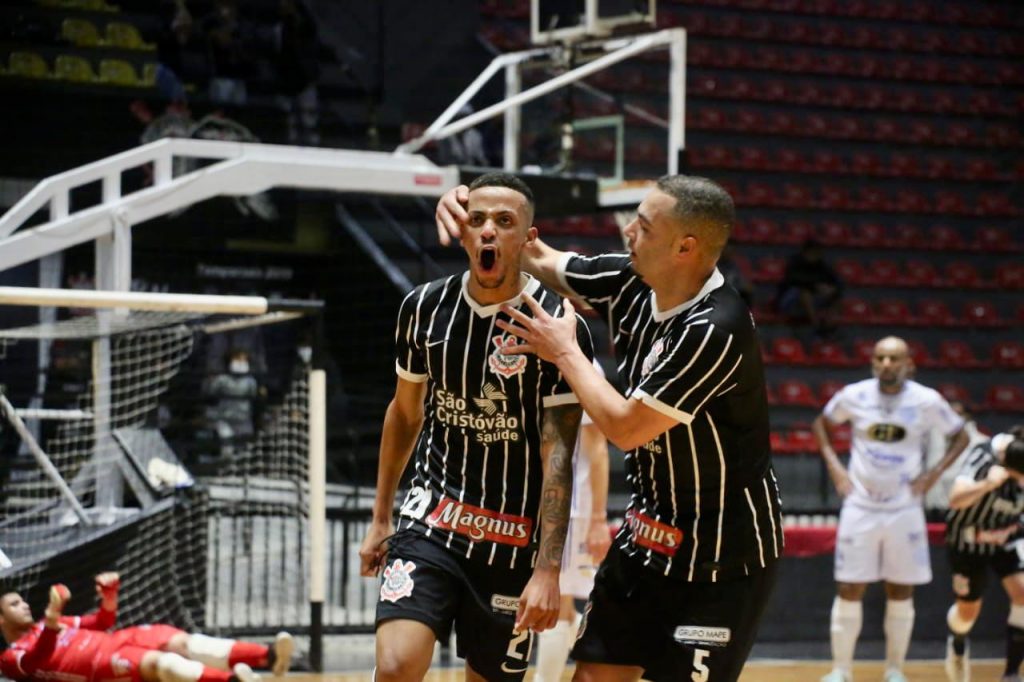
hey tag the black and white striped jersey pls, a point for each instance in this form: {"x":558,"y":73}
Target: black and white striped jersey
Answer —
{"x":704,"y":499}
{"x":995,"y":519}
{"x":478,"y":469}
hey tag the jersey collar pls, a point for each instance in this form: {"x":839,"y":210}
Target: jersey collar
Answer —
{"x":714,"y":281}
{"x":530,"y":287}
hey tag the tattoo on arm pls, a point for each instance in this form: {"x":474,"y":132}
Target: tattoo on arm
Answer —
{"x":561,"y":425}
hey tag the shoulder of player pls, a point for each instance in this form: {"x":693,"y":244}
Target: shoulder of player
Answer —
{"x":919,"y":394}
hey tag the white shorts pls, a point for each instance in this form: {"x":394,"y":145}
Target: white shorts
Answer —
{"x":882,"y":544}
{"x":578,"y":569}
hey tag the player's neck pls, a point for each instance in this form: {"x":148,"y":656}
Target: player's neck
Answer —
{"x":486,"y":296}
{"x":12,"y":632}
{"x":679,"y":289}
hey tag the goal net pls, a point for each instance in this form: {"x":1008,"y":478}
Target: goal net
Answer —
{"x":171,"y":447}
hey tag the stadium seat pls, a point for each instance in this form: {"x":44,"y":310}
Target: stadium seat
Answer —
{"x":888,"y":273}
{"x":770,"y":269}
{"x":1010,"y":276}
{"x":903,"y":235}
{"x":830,"y":354}
{"x":958,"y":354}
{"x":777,"y":443}
{"x":800,"y":440}
{"x":827,"y":389}
{"x":936,"y":313}
{"x":787,"y":351}
{"x":80,"y":32}
{"x":119,"y":72}
{"x":920,"y":273}
{"x":796,"y":393}
{"x":956,"y":392}
{"x":963,"y":275}
{"x":869,"y":235}
{"x":920,"y":354}
{"x":773,"y":397}
{"x":856,"y":311}
{"x":1008,"y":354}
{"x":942,"y":238}
{"x":893,"y":311}
{"x":834,"y":233}
{"x":27,"y":64}
{"x":762,"y":231}
{"x":126,"y":36}
{"x":71,"y":67}
{"x":863,"y":351}
{"x":1005,"y":398}
{"x":993,"y":239}
{"x":851,"y":271}
{"x":982,"y":314}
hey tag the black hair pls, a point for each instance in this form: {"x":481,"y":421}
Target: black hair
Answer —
{"x":501,"y":179}
{"x":1014,"y":456}
{"x":702,"y":201}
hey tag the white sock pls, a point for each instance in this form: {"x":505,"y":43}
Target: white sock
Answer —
{"x":174,"y":668}
{"x":899,"y":623}
{"x":845,"y":629}
{"x":211,"y":651}
{"x":553,"y":651}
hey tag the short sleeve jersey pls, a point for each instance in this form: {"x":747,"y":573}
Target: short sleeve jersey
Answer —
{"x":890,"y":434}
{"x":478,"y":468}
{"x":994,"y":520}
{"x":704,"y":502}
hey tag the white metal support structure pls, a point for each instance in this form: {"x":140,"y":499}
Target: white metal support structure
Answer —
{"x":238,"y":169}
{"x":617,"y":50}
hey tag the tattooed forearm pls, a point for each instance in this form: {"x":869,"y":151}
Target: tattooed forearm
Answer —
{"x":561,"y":425}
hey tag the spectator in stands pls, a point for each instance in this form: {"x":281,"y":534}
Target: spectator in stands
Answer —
{"x":230,"y":58}
{"x":181,"y":56}
{"x":983,"y":530}
{"x":82,"y":648}
{"x":298,"y":67}
{"x":234,"y":395}
{"x":810,"y":289}
{"x":882,"y":534}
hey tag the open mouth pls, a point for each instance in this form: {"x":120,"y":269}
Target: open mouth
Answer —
{"x":488,"y":259}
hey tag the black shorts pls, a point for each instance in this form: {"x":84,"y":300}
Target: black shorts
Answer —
{"x":428,"y":583}
{"x":969,"y":570}
{"x":674,"y":630}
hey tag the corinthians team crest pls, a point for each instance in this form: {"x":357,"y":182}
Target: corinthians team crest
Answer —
{"x":652,"y":358}
{"x":505,"y":365}
{"x":397,"y":581}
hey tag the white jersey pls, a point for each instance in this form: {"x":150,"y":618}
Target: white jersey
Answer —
{"x":582,"y":494}
{"x":890,"y":437}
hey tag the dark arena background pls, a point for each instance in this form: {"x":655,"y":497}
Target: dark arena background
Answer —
{"x":291,"y":152}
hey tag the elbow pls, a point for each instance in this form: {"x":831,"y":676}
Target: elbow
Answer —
{"x":628,"y":439}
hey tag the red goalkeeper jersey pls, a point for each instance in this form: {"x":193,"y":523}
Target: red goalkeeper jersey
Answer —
{"x":65,"y":655}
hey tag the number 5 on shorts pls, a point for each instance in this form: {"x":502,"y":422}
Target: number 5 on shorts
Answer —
{"x":700,"y":670}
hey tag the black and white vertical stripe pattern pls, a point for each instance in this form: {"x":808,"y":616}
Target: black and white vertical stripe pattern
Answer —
{"x":445,"y":339}
{"x":710,"y":476}
{"x":996,"y":510}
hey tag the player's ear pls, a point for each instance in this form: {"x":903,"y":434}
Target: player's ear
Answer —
{"x":687,"y":245}
{"x":531,"y":234}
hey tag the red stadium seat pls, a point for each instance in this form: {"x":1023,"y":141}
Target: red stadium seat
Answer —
{"x":831,"y":354}
{"x":921,"y":273}
{"x":1005,"y":398}
{"x":762,"y":231}
{"x":943,"y":238}
{"x":773,"y":397}
{"x":801,"y":440}
{"x":850,"y":270}
{"x":797,"y":394}
{"x":936,"y":313}
{"x":863,"y":351}
{"x":777,"y":443}
{"x":797,"y":232}
{"x":963,"y":275}
{"x":889,"y":273}
{"x":894,"y":311}
{"x":1010,"y":276}
{"x":787,"y":351}
{"x":869,"y":235}
{"x":834,"y":234}
{"x":827,"y":389}
{"x":770,"y":269}
{"x":1009,"y":354}
{"x":955,"y":392}
{"x":857,"y":311}
{"x":920,"y":354}
{"x":904,"y":235}
{"x":982,"y":314}
{"x":958,"y":354}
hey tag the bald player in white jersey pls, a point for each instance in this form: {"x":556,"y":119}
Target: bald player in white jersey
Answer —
{"x":882,"y":533}
{"x":586,"y":545}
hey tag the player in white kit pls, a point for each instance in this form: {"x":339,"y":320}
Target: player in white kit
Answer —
{"x":882,"y":533}
{"x":586,"y":545}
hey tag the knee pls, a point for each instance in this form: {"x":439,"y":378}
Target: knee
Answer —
{"x":394,"y":666}
{"x":850,"y":591}
{"x":178,"y":644}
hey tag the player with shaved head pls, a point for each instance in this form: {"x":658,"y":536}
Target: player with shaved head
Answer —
{"x":882,"y":534}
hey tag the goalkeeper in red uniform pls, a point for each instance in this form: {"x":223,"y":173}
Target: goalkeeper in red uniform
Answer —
{"x":84,"y":649}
